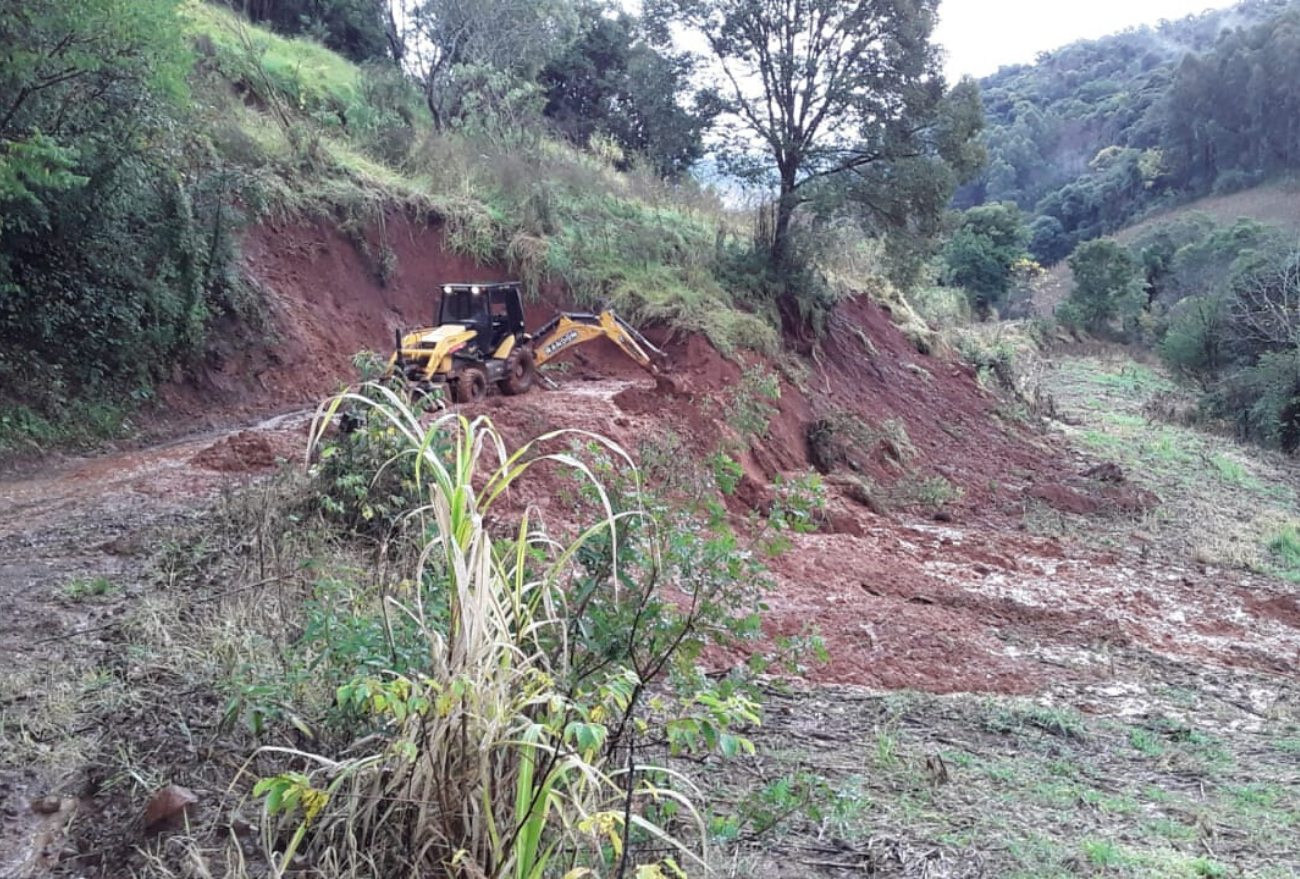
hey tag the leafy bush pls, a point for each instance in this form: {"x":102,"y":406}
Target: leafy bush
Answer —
{"x":1238,"y":340}
{"x":1263,"y":399}
{"x":113,"y":250}
{"x":981,"y":253}
{"x":1195,"y":342}
{"x":1107,"y":288}
{"x":365,"y":477}
{"x":748,"y":406}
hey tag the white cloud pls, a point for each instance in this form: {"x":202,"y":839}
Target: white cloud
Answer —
{"x":982,"y":35}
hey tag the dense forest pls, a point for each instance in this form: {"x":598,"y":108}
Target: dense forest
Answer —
{"x":1100,"y":131}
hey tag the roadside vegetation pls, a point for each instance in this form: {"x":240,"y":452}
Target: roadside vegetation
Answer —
{"x":397,"y":665}
{"x":315,"y":633}
{"x":525,"y":154}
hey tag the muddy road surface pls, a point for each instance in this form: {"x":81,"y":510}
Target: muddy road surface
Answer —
{"x":972,"y":604}
{"x":76,"y":541}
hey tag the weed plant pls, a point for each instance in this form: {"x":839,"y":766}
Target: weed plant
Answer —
{"x":500,"y":700}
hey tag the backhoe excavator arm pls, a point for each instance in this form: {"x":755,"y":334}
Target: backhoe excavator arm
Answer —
{"x":569,"y":328}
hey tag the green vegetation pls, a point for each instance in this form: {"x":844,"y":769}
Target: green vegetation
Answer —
{"x":1219,"y":501}
{"x":1100,"y":131}
{"x":844,"y":112}
{"x":980,"y":255}
{"x":88,"y":423}
{"x":95,"y":587}
{"x":612,"y":83}
{"x":1057,"y":791}
{"x":1285,"y":548}
{"x":1106,"y":289}
{"x":750,"y":405}
{"x":1218,"y":309}
{"x":114,"y":248}
{"x":130,"y":167}
{"x":449,"y":681}
{"x":503,"y":707}
{"x":354,"y":28}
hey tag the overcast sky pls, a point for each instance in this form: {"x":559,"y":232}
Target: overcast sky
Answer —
{"x":983,"y":35}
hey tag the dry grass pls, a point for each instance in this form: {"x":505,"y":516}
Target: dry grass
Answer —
{"x":1272,"y":203}
{"x":909,"y":785}
{"x":1276,"y":204}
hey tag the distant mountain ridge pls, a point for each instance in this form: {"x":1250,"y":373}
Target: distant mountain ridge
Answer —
{"x":1100,"y":131}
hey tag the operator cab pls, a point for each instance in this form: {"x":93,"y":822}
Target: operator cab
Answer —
{"x":493,"y":311}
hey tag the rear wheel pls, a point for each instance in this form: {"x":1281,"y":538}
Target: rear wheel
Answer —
{"x":471,"y":385}
{"x":520,"y":372}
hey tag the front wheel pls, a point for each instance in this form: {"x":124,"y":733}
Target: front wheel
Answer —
{"x":520,"y":372}
{"x":471,"y":386}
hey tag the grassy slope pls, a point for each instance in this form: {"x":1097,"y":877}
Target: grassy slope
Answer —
{"x":1276,"y":203}
{"x":550,"y":212}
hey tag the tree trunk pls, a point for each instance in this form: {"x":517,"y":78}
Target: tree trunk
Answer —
{"x":432,"y":102}
{"x":785,"y":207}
{"x":793,"y":320}
{"x":396,"y":43}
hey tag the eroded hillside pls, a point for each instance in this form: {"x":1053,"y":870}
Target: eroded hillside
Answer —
{"x":955,"y":552}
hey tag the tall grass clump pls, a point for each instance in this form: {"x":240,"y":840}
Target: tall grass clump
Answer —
{"x":510,"y":743}
{"x":555,"y":214}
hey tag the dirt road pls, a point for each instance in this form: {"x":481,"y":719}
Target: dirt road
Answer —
{"x":76,"y":539}
{"x":976,"y":604}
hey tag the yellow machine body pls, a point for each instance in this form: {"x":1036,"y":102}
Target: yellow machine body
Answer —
{"x":430,"y":350}
{"x":571,"y":329}
{"x":480,"y":341}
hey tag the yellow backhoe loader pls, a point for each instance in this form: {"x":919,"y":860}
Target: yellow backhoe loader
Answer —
{"x":478,"y":340}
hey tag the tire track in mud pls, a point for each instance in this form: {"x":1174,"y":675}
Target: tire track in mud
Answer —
{"x":89,"y":520}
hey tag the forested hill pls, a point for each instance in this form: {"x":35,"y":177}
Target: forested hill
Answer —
{"x":1100,"y":131}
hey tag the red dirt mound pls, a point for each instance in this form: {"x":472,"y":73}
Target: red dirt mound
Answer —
{"x":239,"y":453}
{"x":325,"y":301}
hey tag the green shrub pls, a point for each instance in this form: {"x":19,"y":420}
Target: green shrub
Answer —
{"x":1107,"y":288}
{"x":1285,"y":547}
{"x":748,"y":406}
{"x":942,"y":306}
{"x":1196,"y":342}
{"x":980,"y":256}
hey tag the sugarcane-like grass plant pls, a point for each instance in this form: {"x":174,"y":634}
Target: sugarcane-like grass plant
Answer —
{"x":492,"y":761}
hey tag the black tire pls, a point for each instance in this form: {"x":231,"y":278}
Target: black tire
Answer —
{"x":471,"y":385}
{"x":520,"y":372}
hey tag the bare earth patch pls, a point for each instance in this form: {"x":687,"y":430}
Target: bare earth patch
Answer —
{"x":1017,"y":685}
